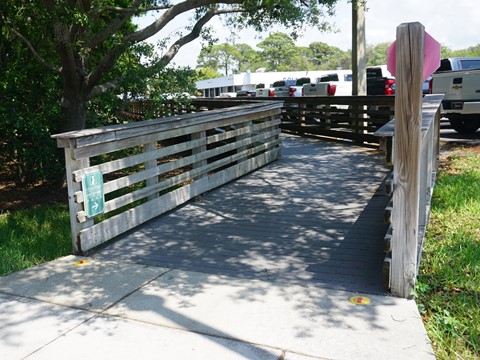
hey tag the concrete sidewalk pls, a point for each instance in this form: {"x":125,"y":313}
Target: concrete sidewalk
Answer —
{"x":83,"y":308}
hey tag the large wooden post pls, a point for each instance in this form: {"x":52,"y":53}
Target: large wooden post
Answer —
{"x":75,"y":195}
{"x":406,"y":160}
{"x":359,"y":63}
{"x":359,"y":52}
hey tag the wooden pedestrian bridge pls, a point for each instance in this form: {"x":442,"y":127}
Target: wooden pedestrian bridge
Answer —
{"x":292,"y":191}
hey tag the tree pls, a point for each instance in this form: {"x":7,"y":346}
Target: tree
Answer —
{"x":82,"y":41}
{"x":230,"y":58}
{"x":377,"y":54}
{"x":471,"y":51}
{"x":325,"y":57}
{"x":248,"y":58}
{"x":29,"y":106}
{"x":207,"y":73}
{"x":321,"y":53}
{"x":278,"y":50}
{"x":222,"y":57}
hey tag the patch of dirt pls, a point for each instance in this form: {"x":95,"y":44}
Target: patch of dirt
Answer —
{"x":14,"y":197}
{"x":449,"y":149}
{"x":452,"y":148}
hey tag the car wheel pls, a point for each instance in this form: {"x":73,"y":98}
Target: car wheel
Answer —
{"x":465,"y":124}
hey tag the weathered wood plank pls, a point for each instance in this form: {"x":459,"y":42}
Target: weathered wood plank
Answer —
{"x":73,"y":189}
{"x":155,"y":153}
{"x":409,"y":78}
{"x":89,"y":137}
{"x":105,"y":148}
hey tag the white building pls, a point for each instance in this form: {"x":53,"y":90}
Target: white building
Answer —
{"x":248,"y":80}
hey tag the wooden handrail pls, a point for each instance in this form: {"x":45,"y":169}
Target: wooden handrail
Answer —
{"x":146,"y":168}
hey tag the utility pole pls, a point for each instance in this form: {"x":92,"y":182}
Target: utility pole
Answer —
{"x":359,"y":49}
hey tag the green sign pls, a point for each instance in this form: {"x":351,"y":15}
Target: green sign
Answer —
{"x":93,"y":195}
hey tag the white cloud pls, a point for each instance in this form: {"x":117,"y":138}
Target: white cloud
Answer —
{"x":453,"y":23}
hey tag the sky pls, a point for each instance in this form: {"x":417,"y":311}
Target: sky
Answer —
{"x":453,"y":23}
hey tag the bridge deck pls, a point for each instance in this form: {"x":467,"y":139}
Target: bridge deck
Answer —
{"x":315,"y":216}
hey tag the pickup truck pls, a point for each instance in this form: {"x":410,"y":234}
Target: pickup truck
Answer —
{"x":262,"y":91}
{"x":290,"y":87}
{"x":319,"y":89}
{"x":459,"y":63}
{"x":339,"y":84}
{"x":380,"y":81}
{"x":461,"y":89}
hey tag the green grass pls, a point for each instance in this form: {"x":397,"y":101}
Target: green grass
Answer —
{"x":448,"y":289}
{"x":33,"y":236}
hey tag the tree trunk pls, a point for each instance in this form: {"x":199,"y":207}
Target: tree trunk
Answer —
{"x":74,"y":108}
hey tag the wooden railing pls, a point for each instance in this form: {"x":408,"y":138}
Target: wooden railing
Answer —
{"x":428,"y":166}
{"x":415,"y":156}
{"x":354,"y":118}
{"x":121,"y":176}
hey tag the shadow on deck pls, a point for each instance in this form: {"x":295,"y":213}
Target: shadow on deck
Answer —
{"x":315,"y":216}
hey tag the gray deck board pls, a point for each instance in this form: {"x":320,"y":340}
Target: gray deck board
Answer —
{"x":313,"y":217}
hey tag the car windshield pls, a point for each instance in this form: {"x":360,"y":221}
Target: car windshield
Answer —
{"x":303,"y":81}
{"x":330,"y":77}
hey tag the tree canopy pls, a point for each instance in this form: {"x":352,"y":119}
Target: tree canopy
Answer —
{"x":92,"y":45}
{"x":63,"y":62}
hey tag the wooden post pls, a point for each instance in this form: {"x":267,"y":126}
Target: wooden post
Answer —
{"x":75,"y":196}
{"x":406,"y":161}
{"x":359,"y":64}
{"x":302,"y":111}
{"x":150,"y":165}
{"x":359,"y":52}
{"x":199,"y":150}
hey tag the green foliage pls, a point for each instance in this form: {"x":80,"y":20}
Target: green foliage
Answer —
{"x":30,"y":93}
{"x":30,"y":237}
{"x":248,"y":58}
{"x":277,"y":51}
{"x":449,"y":280}
{"x":324,"y":56}
{"x":223,"y":57}
{"x":377,"y":54}
{"x":471,"y":51}
{"x":207,"y":73}
{"x":29,"y":112}
{"x":294,"y":15}
{"x":172,"y":81}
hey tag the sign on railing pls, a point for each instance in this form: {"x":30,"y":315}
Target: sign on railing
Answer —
{"x":93,"y":192}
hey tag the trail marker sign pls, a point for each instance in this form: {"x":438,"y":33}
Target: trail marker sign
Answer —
{"x":93,"y":193}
